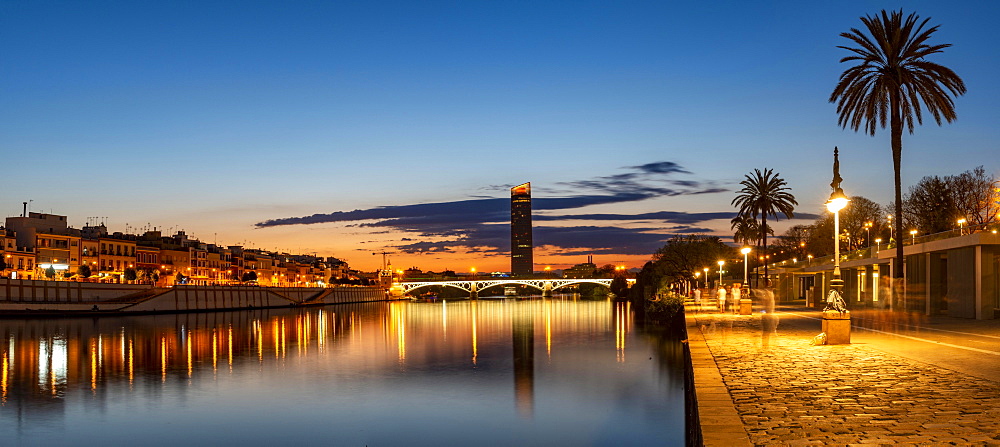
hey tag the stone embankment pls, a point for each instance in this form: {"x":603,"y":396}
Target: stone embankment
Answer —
{"x":18,"y":297}
{"x":773,"y":387}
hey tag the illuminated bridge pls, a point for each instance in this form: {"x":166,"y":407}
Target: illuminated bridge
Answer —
{"x":546,"y":286}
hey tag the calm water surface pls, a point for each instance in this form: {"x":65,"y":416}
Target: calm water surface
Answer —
{"x":487,"y":372}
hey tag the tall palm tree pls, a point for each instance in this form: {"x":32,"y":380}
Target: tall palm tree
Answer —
{"x":764,"y":194}
{"x":890,"y":81}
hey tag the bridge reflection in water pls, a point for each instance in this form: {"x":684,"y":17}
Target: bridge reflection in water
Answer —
{"x":356,"y":364}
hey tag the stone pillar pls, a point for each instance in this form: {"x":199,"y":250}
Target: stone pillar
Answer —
{"x":837,"y":326}
{"x":547,"y":289}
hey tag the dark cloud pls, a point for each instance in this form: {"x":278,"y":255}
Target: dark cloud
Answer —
{"x":652,"y":179}
{"x":661,"y":167}
{"x":482,"y":224}
{"x":678,"y":217}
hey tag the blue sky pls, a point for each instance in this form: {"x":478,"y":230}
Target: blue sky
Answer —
{"x":217,"y":116}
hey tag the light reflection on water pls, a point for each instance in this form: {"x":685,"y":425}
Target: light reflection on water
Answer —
{"x":487,"y":372}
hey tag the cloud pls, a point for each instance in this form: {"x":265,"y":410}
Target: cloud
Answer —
{"x":661,"y":167}
{"x":481,"y":224}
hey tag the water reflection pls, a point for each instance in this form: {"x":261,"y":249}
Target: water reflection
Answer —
{"x":356,"y":365}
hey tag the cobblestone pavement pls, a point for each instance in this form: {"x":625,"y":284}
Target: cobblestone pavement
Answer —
{"x":788,"y":392}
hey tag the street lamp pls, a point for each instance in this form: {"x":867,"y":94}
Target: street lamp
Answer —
{"x":836,"y":203}
{"x":868,"y":237}
{"x":697,"y":277}
{"x":706,"y":275}
{"x":888,"y":220}
{"x":913,"y":237}
{"x":878,"y":241}
{"x":745,"y":251}
{"x":720,"y":272}
{"x":961,"y":222}
{"x":838,"y":200}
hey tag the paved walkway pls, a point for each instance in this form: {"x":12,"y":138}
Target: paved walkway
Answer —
{"x":883,"y":389}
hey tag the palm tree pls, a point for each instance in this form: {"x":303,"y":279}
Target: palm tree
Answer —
{"x":890,"y":81}
{"x":764,"y":194}
{"x":746,"y":230}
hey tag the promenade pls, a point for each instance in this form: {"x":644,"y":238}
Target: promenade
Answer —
{"x":904,"y":380}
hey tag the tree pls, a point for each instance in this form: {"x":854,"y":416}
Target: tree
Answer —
{"x":793,"y":241}
{"x":84,"y":271}
{"x":619,"y":286}
{"x":890,"y":81}
{"x":929,"y":206}
{"x":764,"y":194}
{"x":50,"y":272}
{"x":682,"y":256}
{"x":250,"y":276}
{"x":130,"y":274}
{"x":976,"y":196}
{"x":747,"y":230}
{"x":855,"y":216}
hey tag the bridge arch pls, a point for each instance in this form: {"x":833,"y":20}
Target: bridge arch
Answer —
{"x":409,"y":287}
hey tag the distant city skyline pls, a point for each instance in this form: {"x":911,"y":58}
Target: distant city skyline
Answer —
{"x":349,"y":128}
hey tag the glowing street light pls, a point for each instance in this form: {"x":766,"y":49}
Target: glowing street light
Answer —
{"x":720,"y":272}
{"x":888,"y":220}
{"x":838,"y":200}
{"x":745,"y":251}
{"x":961,"y":222}
{"x":706,"y":275}
{"x":697,"y":277}
{"x":913,"y":237}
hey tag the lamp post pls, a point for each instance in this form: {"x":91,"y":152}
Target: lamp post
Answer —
{"x":878,"y":242}
{"x":697,"y":278}
{"x":961,"y":222}
{"x":706,"y":275}
{"x":868,"y":236}
{"x":836,"y":203}
{"x":720,"y":272}
{"x":745,"y":251}
{"x":836,"y":317}
{"x":913,"y":237}
{"x":888,"y":220}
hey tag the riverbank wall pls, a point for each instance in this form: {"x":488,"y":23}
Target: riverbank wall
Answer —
{"x":66,"y":297}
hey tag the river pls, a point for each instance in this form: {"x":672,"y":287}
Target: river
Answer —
{"x":488,"y":372}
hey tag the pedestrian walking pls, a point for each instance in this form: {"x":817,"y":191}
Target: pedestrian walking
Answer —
{"x":722,"y":298}
{"x":735,"y":292}
{"x":697,"y":298}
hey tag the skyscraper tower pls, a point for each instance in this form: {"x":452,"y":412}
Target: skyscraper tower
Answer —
{"x":521,"y":260}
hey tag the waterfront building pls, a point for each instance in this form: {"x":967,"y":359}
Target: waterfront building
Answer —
{"x":52,"y":241}
{"x":19,"y":261}
{"x":117,"y":253}
{"x":521,"y":245}
{"x":90,"y":254}
{"x":147,"y":262}
{"x":948,"y":273}
{"x":32,"y":242}
{"x":585,"y":270}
